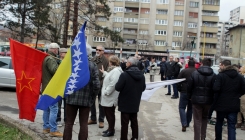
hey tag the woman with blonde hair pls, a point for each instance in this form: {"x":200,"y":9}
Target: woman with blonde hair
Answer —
{"x":242,"y":107}
{"x":109,"y":95}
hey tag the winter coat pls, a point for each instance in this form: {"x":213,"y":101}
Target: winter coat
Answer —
{"x":49,"y":68}
{"x":109,"y":95}
{"x":163,"y":67}
{"x":130,"y":85}
{"x":153,"y":68}
{"x":86,"y":96}
{"x":99,"y":61}
{"x":200,"y":86}
{"x":172,"y":69}
{"x":229,"y":86}
{"x":185,"y":73}
{"x":197,"y":65}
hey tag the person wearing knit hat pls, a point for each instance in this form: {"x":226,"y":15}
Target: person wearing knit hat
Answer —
{"x":63,"y":52}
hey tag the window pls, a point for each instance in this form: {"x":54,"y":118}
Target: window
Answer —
{"x":193,"y":15}
{"x":118,"y":19}
{"x":179,"y":12}
{"x":146,"y":1}
{"x":130,"y":41}
{"x":99,"y":39}
{"x":210,"y":24}
{"x":177,"y":33}
{"x":142,"y":42}
{"x":162,"y":12}
{"x":143,"y":32}
{"x":4,"y":63}
{"x":176,"y":44}
{"x":210,"y":13}
{"x":194,"y":4}
{"x":57,"y":5}
{"x":130,"y":31}
{"x":117,"y":29}
{"x":101,"y":19}
{"x":162,"y":1}
{"x":192,"y":25}
{"x":179,"y":2}
{"x":161,"y":22}
{"x":211,"y":2}
{"x":178,"y":23}
{"x":130,"y":20}
{"x":209,"y":46}
{"x":160,"y":32}
{"x":231,"y":38}
{"x":159,"y":43}
{"x":97,"y":28}
{"x":118,"y":9}
{"x":144,"y":21}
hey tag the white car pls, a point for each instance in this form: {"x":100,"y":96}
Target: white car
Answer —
{"x":215,"y":69}
{"x":7,"y":75}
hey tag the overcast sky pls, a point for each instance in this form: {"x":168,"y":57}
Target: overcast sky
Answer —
{"x":226,"y":6}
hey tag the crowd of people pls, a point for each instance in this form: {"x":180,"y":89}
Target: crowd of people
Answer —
{"x":111,"y":82}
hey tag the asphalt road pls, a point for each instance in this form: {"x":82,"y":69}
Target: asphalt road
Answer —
{"x":158,"y":119}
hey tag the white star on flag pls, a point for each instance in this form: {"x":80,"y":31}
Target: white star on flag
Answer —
{"x":77,"y":53}
{"x":73,"y":81}
{"x":74,"y":75}
{"x":77,"y":62}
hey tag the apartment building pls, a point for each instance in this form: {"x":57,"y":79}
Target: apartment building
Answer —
{"x":237,"y":15}
{"x":163,"y":27}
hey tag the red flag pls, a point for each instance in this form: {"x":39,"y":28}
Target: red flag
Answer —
{"x":27,"y":63}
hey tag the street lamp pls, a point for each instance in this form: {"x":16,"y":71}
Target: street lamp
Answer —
{"x":204,"y":41}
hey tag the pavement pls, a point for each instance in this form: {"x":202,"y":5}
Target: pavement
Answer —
{"x":158,"y":119}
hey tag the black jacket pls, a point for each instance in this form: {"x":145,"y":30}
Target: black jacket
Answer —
{"x":163,"y":67}
{"x":172,"y":69}
{"x":200,"y":86}
{"x":131,"y":84}
{"x":185,"y":73}
{"x":229,"y":86}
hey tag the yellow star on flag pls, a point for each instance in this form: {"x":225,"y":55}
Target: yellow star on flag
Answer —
{"x":24,"y":82}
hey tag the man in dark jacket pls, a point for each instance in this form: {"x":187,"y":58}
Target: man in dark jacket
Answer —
{"x":172,"y":72}
{"x":200,"y":92}
{"x":185,"y":117}
{"x":163,"y":69}
{"x":100,"y":60}
{"x":229,"y":86}
{"x":82,"y":100}
{"x":129,"y":98}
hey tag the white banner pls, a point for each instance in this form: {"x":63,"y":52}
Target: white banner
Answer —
{"x":152,"y":87}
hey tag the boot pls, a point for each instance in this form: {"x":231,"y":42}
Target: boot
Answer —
{"x":238,"y":125}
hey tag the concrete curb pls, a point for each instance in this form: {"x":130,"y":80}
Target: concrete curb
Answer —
{"x":10,"y":122}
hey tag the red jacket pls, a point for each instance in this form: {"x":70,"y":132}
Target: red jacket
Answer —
{"x":197,"y":65}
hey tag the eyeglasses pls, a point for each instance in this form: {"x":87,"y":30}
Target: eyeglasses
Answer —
{"x":99,"y":50}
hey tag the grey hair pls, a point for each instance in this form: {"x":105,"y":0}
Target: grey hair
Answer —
{"x":133,"y":60}
{"x":101,"y":47}
{"x":88,"y":49}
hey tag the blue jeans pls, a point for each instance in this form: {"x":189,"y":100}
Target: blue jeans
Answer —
{"x":176,"y":94}
{"x":231,"y":121}
{"x":49,"y":118}
{"x":185,"y":116}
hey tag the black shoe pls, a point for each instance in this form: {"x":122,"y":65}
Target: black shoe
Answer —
{"x":168,"y":94}
{"x":183,"y":128}
{"x":108,"y":134}
{"x":165,"y":86}
{"x":105,"y":131}
{"x":174,"y":97}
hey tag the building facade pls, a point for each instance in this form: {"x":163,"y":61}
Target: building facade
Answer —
{"x":237,"y":15}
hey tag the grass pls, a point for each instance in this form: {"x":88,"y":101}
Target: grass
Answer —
{"x":10,"y":133}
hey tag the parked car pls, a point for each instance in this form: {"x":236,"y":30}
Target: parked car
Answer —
{"x":7,"y":75}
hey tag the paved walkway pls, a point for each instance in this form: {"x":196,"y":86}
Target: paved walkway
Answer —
{"x":158,"y":120}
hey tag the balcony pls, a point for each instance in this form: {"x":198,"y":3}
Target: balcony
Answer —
{"x":210,"y":7}
{"x":178,"y":18}
{"x":131,"y":32}
{"x":145,"y":5}
{"x":209,"y":51}
{"x":162,"y":6}
{"x":209,"y":40}
{"x":132,"y":3}
{"x":179,"y":7}
{"x":210,"y":18}
{"x":129,"y":36}
{"x":144,"y":15}
{"x":131,"y":25}
{"x":118,"y":3}
{"x":213,"y":29}
{"x":144,"y":26}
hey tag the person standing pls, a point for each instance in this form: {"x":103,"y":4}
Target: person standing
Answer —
{"x":129,"y":98}
{"x":171,"y":73}
{"x":185,"y":116}
{"x":62,"y":53}
{"x":200,"y":92}
{"x":109,"y":95}
{"x":163,"y":69}
{"x":49,"y":68}
{"x":82,"y":100}
{"x":229,"y":86}
{"x":100,"y":60}
{"x":153,"y":68}
{"x":242,"y":107}
{"x":147,"y":64}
